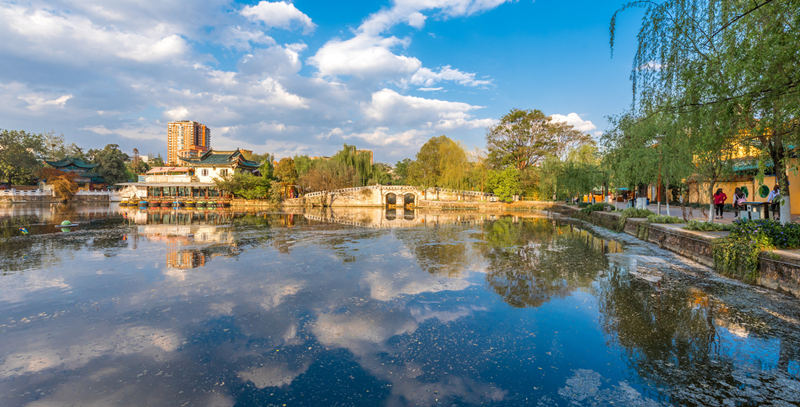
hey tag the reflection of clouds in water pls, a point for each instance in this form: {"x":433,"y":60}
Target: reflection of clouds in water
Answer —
{"x":114,"y":387}
{"x":422,"y":314}
{"x":144,"y":340}
{"x":367,"y":332}
{"x":272,"y":376}
{"x":275,"y":294}
{"x":17,"y":288}
{"x":362,"y":332}
{"x":587,"y":388}
{"x":388,"y":284}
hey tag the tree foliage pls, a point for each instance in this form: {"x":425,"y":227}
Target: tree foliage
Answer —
{"x":285,"y":171}
{"x":504,"y":183}
{"x":21,"y":155}
{"x":110,"y":162}
{"x":440,"y":162}
{"x":62,"y":182}
{"x":723,"y":71}
{"x":523,"y":138}
{"x":327,"y":175}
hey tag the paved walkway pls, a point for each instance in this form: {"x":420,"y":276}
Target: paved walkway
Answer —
{"x":700,"y":214}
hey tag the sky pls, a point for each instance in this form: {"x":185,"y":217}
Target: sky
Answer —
{"x":307,"y":76}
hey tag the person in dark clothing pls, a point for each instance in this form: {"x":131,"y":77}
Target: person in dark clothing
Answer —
{"x":719,"y":202}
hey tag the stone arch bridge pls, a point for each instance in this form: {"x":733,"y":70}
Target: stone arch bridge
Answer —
{"x":387,"y":195}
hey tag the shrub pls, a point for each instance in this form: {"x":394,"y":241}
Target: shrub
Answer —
{"x":595,"y":207}
{"x":737,"y":255}
{"x":781,"y":236}
{"x":631,"y":213}
{"x":663,"y":219}
{"x":707,"y":226}
{"x":583,"y":204}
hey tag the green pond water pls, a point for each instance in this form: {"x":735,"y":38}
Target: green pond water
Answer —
{"x":373,"y":307}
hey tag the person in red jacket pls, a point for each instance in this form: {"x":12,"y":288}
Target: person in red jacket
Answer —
{"x":719,"y":202}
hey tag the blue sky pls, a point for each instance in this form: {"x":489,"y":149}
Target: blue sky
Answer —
{"x":304,"y":77}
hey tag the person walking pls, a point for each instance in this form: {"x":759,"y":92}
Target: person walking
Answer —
{"x":774,"y":199}
{"x":719,"y":202}
{"x":738,"y":198}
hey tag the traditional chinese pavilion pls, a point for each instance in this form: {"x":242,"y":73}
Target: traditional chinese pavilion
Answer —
{"x":85,"y":174}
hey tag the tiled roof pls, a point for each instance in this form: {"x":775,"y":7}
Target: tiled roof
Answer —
{"x":220,"y":158}
{"x":66,"y":162}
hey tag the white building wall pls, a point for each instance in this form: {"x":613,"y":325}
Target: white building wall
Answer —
{"x":209,"y":174}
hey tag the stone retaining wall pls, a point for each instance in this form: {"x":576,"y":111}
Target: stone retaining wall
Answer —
{"x":779,"y":269}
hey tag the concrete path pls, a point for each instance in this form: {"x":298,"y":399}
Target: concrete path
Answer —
{"x":699,"y":214}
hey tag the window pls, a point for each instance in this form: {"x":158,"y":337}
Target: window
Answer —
{"x":204,"y":172}
{"x":223,"y":172}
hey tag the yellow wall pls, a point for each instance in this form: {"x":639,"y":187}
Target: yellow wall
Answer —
{"x":752,"y":186}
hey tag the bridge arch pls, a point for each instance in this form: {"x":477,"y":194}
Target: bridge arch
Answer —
{"x":390,"y":199}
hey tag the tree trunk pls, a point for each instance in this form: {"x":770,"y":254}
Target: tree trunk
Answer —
{"x":778,"y":154}
{"x":711,"y":197}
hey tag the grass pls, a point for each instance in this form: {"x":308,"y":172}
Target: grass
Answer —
{"x":664,"y":219}
{"x":708,"y":226}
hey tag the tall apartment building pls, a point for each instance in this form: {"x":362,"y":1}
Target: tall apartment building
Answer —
{"x":186,"y":138}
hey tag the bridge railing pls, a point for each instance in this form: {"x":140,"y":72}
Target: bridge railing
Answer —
{"x":398,"y":188}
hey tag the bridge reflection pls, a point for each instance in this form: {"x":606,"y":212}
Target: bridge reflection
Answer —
{"x":393,"y":217}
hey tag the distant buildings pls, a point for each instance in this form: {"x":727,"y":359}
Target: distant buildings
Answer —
{"x":186,"y":138}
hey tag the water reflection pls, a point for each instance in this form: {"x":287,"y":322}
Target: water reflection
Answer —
{"x":370,"y":307}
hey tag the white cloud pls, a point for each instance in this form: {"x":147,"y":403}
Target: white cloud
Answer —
{"x":32,"y":30}
{"x":388,"y":106}
{"x":278,"y":14}
{"x":118,"y":71}
{"x":382,"y":136}
{"x":364,"y":56}
{"x":427,"y":77}
{"x":369,"y":54}
{"x":178,"y":113}
{"x":573,"y":119}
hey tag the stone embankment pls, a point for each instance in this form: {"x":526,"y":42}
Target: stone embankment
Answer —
{"x":12,"y":196}
{"x":778,"y":270}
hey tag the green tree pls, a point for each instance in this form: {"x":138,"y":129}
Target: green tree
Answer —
{"x":440,"y":162}
{"x":245,"y":185}
{"x":725,"y":69}
{"x":328,"y":175}
{"x":381,"y":174}
{"x":359,"y":161}
{"x":157,"y":161}
{"x":401,"y":171}
{"x":110,"y":162}
{"x":523,"y":138}
{"x":21,"y":156}
{"x":302,"y":163}
{"x":504,"y":183}
{"x":285,"y":171}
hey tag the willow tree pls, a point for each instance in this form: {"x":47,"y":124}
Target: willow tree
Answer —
{"x":440,"y":162}
{"x":724,"y":68}
{"x":359,"y":161}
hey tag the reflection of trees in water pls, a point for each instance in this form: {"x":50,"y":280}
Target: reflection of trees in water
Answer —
{"x":533,"y":260}
{"x":670,"y":337}
{"x":439,"y":249}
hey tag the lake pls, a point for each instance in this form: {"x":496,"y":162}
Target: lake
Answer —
{"x":373,"y":307}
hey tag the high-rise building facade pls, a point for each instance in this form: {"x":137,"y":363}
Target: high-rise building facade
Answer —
{"x":186,"y":138}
